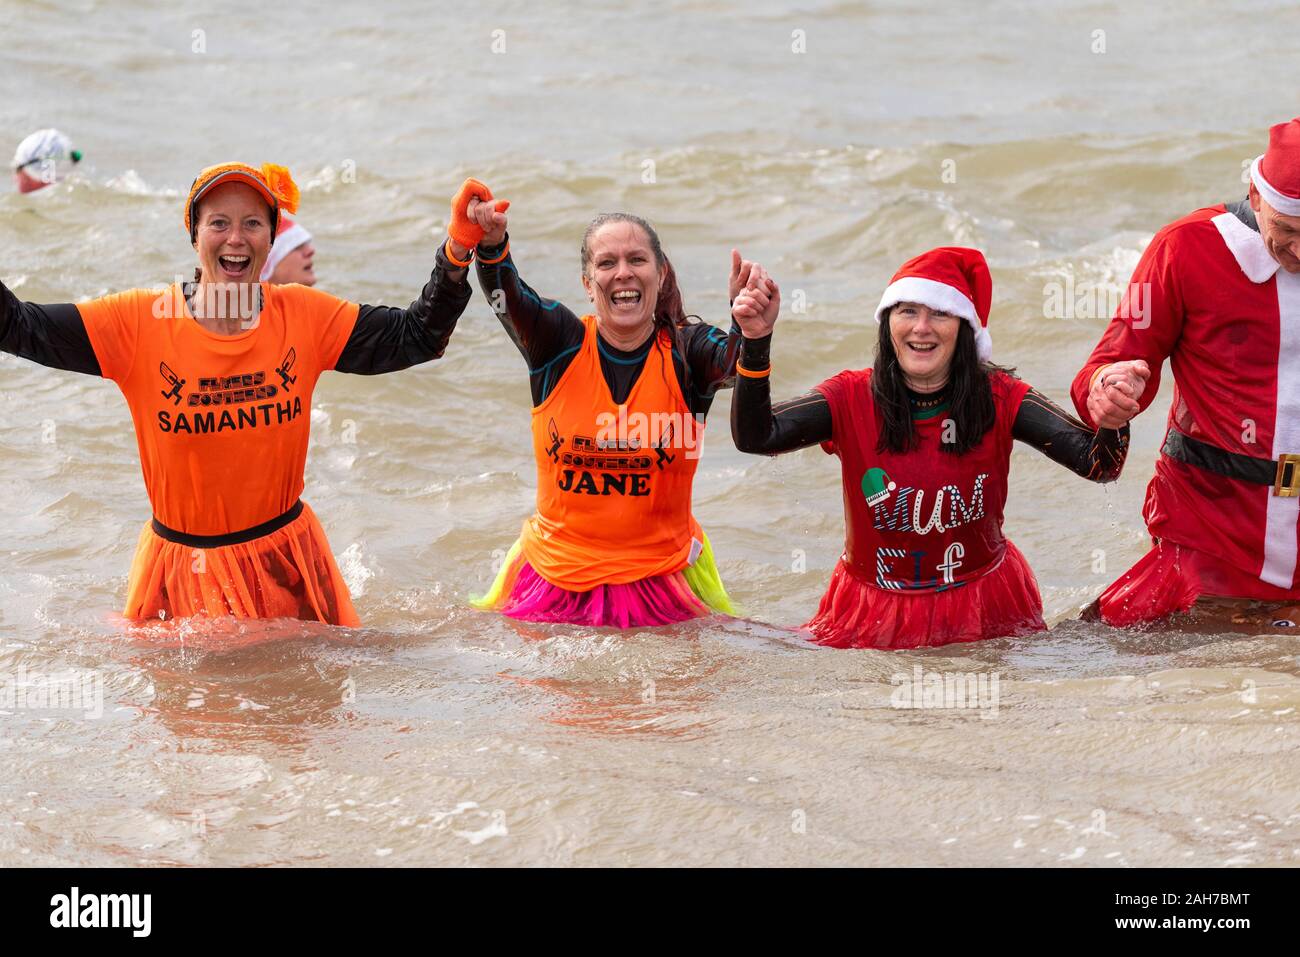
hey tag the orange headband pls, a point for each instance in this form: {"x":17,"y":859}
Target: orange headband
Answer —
{"x":273,"y":182}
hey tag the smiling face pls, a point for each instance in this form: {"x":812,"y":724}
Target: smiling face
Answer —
{"x":297,"y":266}
{"x":622,"y":277}
{"x":1281,"y":234}
{"x":234,"y":233}
{"x":924,"y":341}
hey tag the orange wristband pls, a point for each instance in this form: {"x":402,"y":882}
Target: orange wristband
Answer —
{"x":446,"y":248}
{"x":751,"y":374}
{"x":492,"y":262}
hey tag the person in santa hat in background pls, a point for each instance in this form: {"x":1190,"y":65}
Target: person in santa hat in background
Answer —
{"x":41,"y":159}
{"x":290,"y":259}
{"x":924,"y":441}
{"x":1217,"y":293}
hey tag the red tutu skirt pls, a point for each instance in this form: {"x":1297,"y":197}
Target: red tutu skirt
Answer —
{"x":1170,"y":578}
{"x":1003,"y":602}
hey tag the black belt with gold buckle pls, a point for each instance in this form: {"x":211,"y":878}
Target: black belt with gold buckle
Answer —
{"x":1283,"y":474}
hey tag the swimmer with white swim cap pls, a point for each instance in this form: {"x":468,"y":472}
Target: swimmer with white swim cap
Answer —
{"x":42,"y":159}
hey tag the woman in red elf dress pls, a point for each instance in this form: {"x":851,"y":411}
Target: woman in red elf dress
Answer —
{"x":924,"y":441}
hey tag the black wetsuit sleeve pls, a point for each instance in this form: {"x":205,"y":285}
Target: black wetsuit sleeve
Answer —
{"x":758,"y":426}
{"x":546,"y":333}
{"x":53,"y":335}
{"x":388,"y":338}
{"x":710,"y":363}
{"x":1097,"y":456}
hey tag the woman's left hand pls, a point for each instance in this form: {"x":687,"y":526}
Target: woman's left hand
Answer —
{"x":757,"y":305}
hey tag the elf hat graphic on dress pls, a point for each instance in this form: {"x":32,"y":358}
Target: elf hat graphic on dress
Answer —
{"x":951,"y":279}
{"x":876,"y":486}
{"x":1276,"y":173}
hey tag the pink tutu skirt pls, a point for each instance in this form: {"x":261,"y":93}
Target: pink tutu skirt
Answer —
{"x":695,"y":591}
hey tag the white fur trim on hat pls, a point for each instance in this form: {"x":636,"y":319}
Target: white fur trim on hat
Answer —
{"x":1286,"y":205}
{"x":941,"y":297}
{"x":285,"y":243}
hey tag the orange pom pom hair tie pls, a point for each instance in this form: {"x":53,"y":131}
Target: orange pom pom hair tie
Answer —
{"x":463,"y":229}
{"x":273,"y":182}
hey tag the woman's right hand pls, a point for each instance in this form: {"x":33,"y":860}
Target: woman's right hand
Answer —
{"x":489,"y":216}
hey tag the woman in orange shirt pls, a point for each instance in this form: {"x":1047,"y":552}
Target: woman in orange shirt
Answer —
{"x":218,"y":375}
{"x":619,"y":402}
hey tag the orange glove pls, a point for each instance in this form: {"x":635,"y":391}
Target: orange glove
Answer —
{"x":463,"y":229}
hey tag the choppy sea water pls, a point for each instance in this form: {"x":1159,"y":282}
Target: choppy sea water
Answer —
{"x":830,"y":142}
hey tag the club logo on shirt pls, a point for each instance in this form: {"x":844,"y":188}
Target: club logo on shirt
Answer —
{"x":662,"y":458}
{"x":175,"y":382}
{"x":591,"y":467}
{"x":286,"y":364}
{"x":233,"y":402}
{"x":553,"y":451}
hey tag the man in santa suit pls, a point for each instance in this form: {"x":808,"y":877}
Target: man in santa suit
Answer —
{"x":1217,"y":293}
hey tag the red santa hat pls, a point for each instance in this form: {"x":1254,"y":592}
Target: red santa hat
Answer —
{"x":951,"y":279}
{"x":1276,"y":174}
{"x":289,"y":235}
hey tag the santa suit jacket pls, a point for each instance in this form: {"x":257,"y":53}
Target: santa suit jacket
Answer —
{"x":1208,"y":296}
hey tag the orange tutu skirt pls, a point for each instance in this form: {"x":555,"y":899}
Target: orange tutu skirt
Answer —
{"x":289,"y":573}
{"x":1001,"y":603}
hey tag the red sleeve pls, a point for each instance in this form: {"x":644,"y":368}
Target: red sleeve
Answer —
{"x":1008,"y":392}
{"x":1146,"y":326}
{"x":113,"y":327}
{"x":836,"y":391}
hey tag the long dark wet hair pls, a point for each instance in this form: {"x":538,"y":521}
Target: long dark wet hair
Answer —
{"x":670,"y":314}
{"x":970,"y":395}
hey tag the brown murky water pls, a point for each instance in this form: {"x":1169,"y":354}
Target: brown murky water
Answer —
{"x":440,"y":735}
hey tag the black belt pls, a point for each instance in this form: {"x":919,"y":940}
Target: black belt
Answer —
{"x":230,"y":538}
{"x":1283,"y":475}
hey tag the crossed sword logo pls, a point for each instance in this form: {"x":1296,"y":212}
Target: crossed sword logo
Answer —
{"x":283,"y":368}
{"x":662,"y":458}
{"x":177,"y":383}
{"x":556,"y":441}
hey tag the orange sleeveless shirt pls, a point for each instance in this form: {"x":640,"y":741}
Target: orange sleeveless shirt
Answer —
{"x":613,"y":481}
{"x":222,"y":422}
